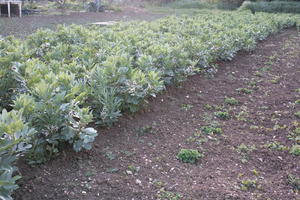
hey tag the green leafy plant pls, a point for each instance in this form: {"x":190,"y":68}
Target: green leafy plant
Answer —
{"x":295,"y":150}
{"x":222,"y":115}
{"x":249,"y":184}
{"x":14,"y":142}
{"x":297,"y":114}
{"x":211,"y":130}
{"x":189,"y":155}
{"x":294,"y":181}
{"x":244,"y":90}
{"x":231,"y":101}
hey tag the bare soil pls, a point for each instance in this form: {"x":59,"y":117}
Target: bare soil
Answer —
{"x":136,"y":158}
{"x":22,"y":27}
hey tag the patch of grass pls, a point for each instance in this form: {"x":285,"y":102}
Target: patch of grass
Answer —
{"x":211,"y":130}
{"x":297,"y":101}
{"x":249,"y":184}
{"x":242,"y":116}
{"x":295,"y":150}
{"x":294,"y":181}
{"x":276,"y":145}
{"x":222,"y":115}
{"x":189,"y":155}
{"x":244,"y":151}
{"x":158,"y":184}
{"x":231,"y":101}
{"x":186,"y":107}
{"x":145,"y":130}
{"x":297,"y":114}
{"x":110,"y":155}
{"x":257,"y":73}
{"x":244,"y":90}
{"x":209,"y":107}
{"x":163,"y":194}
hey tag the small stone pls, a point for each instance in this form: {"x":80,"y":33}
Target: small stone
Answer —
{"x":83,"y":192}
{"x":139,"y":182}
{"x":129,"y":172}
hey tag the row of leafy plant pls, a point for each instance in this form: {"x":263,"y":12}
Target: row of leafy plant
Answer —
{"x":54,"y":84}
{"x":272,"y":7}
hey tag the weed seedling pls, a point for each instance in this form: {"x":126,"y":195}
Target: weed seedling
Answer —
{"x":163,"y":194}
{"x":294,"y":181}
{"x":145,"y":130}
{"x":211,"y":130}
{"x":186,"y":107}
{"x":222,"y":115}
{"x":295,"y":150}
{"x":276,"y":146}
{"x":189,"y":155}
{"x":244,"y":151}
{"x":249,"y":184}
{"x":244,"y":90}
{"x":231,"y":101}
{"x":297,"y":114}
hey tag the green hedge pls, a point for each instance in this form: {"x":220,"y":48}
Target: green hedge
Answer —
{"x":272,"y":7}
{"x":59,"y":81}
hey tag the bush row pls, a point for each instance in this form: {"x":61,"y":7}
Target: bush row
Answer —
{"x":272,"y":7}
{"x":55,"y":83}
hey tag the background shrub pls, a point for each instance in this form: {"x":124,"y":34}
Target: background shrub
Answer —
{"x":272,"y":7}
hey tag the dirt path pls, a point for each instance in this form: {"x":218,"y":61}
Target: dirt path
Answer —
{"x":136,"y":159}
{"x":21,"y":27}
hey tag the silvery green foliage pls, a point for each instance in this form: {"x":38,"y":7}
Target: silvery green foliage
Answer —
{"x":14,"y":138}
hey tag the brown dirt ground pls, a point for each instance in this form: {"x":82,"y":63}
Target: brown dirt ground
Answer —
{"x":136,"y":158}
{"x":21,"y":27}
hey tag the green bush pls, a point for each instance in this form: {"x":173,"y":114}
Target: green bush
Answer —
{"x":189,"y":155}
{"x":272,"y":7}
{"x":14,"y":138}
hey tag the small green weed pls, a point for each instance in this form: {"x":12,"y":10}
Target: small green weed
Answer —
{"x":158,"y":184}
{"x":145,"y":130}
{"x":297,"y":101}
{"x":294,"y":181}
{"x":189,"y":155}
{"x":163,"y":194}
{"x":208,"y":107}
{"x":186,"y":107}
{"x":110,"y":155}
{"x":249,"y":184}
{"x":231,"y":101}
{"x":297,"y":114}
{"x":295,"y":150}
{"x":257,"y":73}
{"x":222,"y":115}
{"x":211,"y":130}
{"x":244,"y":151}
{"x":244,"y":90}
{"x":276,"y":145}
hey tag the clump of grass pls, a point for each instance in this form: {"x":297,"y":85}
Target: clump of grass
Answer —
{"x":295,"y":150}
{"x":211,"y":130}
{"x":276,"y":146}
{"x":189,"y":155}
{"x":249,"y":184}
{"x":244,"y":90}
{"x":294,"y":181}
{"x":222,"y":115}
{"x":297,"y":114}
{"x":231,"y":101}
